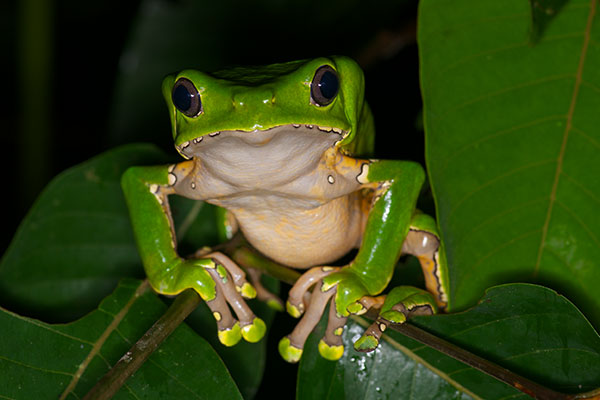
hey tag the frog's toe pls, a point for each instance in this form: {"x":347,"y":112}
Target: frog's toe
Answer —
{"x":251,"y":327}
{"x":330,"y":352}
{"x":370,"y":339}
{"x":330,"y":346}
{"x":229,"y":330}
{"x":254,"y":331}
{"x":288,"y":351}
{"x":262,"y":293}
{"x":227,"y":268}
{"x":291,"y":346}
{"x":231,"y":336}
{"x":401,"y":303}
{"x":406,"y":301}
{"x":295,"y":304}
{"x":276,"y":304}
{"x":246,"y":290}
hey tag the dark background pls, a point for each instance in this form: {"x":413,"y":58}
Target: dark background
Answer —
{"x":70,"y":91}
{"x":83,"y":77}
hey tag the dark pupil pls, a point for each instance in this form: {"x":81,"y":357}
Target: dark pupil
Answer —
{"x":328,"y":85}
{"x":182,"y":98}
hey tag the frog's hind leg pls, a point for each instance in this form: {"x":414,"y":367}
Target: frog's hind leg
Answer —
{"x":423,"y":242}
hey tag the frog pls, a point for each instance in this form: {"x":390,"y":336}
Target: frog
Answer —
{"x":284,"y":151}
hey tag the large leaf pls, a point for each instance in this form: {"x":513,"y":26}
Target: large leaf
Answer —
{"x":44,"y":361}
{"x":525,"y":328}
{"x":76,"y":241}
{"x":512,"y":143}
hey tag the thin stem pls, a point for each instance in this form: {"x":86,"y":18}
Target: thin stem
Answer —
{"x":110,"y":383}
{"x":187,"y":301}
{"x":526,"y":386}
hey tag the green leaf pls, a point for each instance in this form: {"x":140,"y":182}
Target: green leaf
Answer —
{"x":76,"y":242}
{"x":542,"y":12}
{"x":84,"y":245}
{"x":526,"y":328}
{"x":512,"y":143}
{"x":45,"y":361}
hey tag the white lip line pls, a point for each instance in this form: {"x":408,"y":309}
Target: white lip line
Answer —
{"x":199,"y":139}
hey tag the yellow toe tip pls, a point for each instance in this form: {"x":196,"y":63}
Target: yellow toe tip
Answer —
{"x":255,"y":331}
{"x":247,"y":291}
{"x":293,"y":310}
{"x":328,"y":352}
{"x":231,"y":336}
{"x":289,"y":353}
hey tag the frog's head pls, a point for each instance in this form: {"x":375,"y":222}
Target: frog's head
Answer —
{"x":324,"y":94}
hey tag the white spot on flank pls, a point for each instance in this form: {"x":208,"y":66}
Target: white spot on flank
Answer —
{"x":364,"y":171}
{"x":331,"y":179}
{"x":172,"y":179}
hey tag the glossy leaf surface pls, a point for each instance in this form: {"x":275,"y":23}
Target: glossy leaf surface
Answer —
{"x":525,"y":328}
{"x":76,"y":244}
{"x":512,"y":143}
{"x":45,"y":361}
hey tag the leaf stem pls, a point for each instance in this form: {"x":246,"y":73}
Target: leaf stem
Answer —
{"x":187,"y":301}
{"x":502,"y":374}
{"x":110,"y":383}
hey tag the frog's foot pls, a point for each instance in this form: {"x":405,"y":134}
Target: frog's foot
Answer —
{"x":231,"y":288}
{"x":299,"y":294}
{"x":400,"y":304}
{"x":342,"y":290}
{"x":291,"y":346}
{"x":262,"y":293}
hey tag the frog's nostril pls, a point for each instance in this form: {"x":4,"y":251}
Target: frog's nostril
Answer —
{"x":253,"y":97}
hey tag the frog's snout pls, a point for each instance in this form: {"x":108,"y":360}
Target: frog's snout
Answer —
{"x":257,"y":97}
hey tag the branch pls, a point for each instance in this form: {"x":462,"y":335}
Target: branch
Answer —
{"x":110,"y":383}
{"x":187,"y":301}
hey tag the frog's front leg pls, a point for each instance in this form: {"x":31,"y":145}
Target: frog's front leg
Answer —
{"x":395,"y":186}
{"x":215,"y":277}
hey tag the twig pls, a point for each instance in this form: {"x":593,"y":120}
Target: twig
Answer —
{"x":110,"y":383}
{"x":187,"y":301}
{"x":525,"y":385}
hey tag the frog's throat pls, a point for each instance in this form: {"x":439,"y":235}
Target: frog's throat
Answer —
{"x":255,"y":137}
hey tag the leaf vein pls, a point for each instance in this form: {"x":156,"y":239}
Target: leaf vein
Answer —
{"x":496,"y":179}
{"x":569,"y":124}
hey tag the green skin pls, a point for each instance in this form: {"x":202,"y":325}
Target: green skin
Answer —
{"x":251,"y":101}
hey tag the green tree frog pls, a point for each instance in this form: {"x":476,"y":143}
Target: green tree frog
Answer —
{"x":283,"y":149}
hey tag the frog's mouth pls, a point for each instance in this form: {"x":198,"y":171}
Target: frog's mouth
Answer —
{"x":282,"y":138}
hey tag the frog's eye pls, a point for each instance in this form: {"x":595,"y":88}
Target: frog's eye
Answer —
{"x":186,"y":98}
{"x":324,"y":86}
